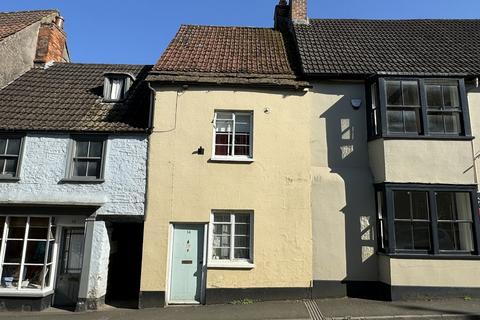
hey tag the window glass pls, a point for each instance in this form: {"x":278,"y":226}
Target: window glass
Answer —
{"x":403,"y":106}
{"x":394,"y":93}
{"x":25,"y":263}
{"x":434,"y":96}
{"x":411,"y":95}
{"x":452,"y":227}
{"x":87,"y":162}
{"x":231,"y":236}
{"x":412,"y":221}
{"x":451,"y":97}
{"x":116,"y":87}
{"x":9,"y":156}
{"x":233,"y":134}
{"x":443,"y":112}
{"x":418,"y":107}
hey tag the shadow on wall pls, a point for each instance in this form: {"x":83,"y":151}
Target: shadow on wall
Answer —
{"x":347,"y":157}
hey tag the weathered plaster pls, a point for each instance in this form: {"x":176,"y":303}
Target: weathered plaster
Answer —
{"x":97,"y":282}
{"x":17,"y":53}
{"x":43,"y":167}
{"x":184,"y":186}
{"x":342,"y":197}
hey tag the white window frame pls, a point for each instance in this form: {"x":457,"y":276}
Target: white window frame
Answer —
{"x":232,"y":262}
{"x":233,"y":157}
{"x":46,"y":288}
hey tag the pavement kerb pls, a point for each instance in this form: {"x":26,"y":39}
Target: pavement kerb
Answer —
{"x":409,"y":316}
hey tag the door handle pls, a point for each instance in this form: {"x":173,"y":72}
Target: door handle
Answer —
{"x":187,"y":261}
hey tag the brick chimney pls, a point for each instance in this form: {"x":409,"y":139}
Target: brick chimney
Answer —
{"x":51,"y":44}
{"x":294,"y":12}
{"x":298,"y":11}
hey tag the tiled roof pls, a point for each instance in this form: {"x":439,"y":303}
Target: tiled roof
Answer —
{"x":12,"y":22}
{"x":362,"y":47}
{"x":68,"y":97}
{"x":226,"y":51}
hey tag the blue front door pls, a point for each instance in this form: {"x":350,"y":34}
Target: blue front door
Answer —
{"x":187,"y":264}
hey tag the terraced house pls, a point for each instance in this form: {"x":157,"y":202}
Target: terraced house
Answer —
{"x":320,"y":158}
{"x":73,"y":152}
{"x":28,"y":38}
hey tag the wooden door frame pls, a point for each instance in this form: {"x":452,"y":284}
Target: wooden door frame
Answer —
{"x":171,"y":229}
{"x":60,"y":236}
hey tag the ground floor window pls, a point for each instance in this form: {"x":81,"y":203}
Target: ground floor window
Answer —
{"x":428,"y":219}
{"x":27,"y":253}
{"x":231,"y":237}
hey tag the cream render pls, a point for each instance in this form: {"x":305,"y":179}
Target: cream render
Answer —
{"x":430,"y":273}
{"x":186,"y":187}
{"x":343,"y":208}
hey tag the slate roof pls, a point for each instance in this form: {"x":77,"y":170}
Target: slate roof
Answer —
{"x":13,"y":22}
{"x":68,"y":97}
{"x":364,"y":47}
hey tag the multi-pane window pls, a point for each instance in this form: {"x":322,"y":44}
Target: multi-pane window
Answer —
{"x":430,"y":219}
{"x":116,"y":87}
{"x":403,"y":106}
{"x":27,"y":252}
{"x":412,"y":220}
{"x":233,"y":135}
{"x":10,"y":148}
{"x":443,"y":107}
{"x":418,"y":107}
{"x":455,"y":221}
{"x":87,"y":160}
{"x":231,"y":237}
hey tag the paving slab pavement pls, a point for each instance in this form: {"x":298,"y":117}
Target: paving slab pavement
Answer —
{"x":350,"y":308}
{"x":283,"y":310}
{"x":330,"y":309}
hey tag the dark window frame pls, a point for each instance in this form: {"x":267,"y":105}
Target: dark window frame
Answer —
{"x":381,"y":130}
{"x":127,"y":83}
{"x":386,"y":192}
{"x":16,"y":177}
{"x":69,"y":176}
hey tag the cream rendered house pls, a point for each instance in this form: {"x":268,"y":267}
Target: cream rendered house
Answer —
{"x":321,"y":158}
{"x":393,"y":120}
{"x":229,"y":179}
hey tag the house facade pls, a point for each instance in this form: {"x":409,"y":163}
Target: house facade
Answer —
{"x":371,"y":138}
{"x":228,"y":201}
{"x":28,"y":38}
{"x":393,"y":151}
{"x":73,"y":159}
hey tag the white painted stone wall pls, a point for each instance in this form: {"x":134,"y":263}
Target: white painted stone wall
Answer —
{"x":98,"y":276}
{"x":43,"y":167}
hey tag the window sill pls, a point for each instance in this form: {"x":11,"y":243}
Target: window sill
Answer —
{"x":9,"y":179}
{"x":422,"y":256}
{"x":82,"y":181}
{"x":25,"y":293}
{"x":230,"y":265}
{"x":232,"y":159}
{"x":418,"y":137}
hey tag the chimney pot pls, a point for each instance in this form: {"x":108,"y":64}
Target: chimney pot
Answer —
{"x":59,"y":21}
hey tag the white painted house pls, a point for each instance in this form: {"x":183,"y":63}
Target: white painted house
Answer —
{"x":73,"y":154}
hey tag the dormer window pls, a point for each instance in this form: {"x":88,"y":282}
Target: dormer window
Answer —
{"x":116,"y":87}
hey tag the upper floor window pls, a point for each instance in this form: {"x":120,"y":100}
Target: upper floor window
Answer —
{"x":10,"y":149}
{"x":427,"y":219}
{"x":116,"y":87}
{"x":418,"y":107}
{"x":233,"y":135}
{"x":87,"y":160}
